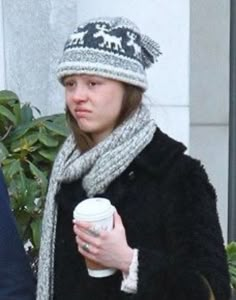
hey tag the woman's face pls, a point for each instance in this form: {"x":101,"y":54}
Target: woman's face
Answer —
{"x":95,"y":103}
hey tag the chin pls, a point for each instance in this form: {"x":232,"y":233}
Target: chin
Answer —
{"x":85,"y":129}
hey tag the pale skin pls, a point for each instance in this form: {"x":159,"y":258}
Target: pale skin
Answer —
{"x":95,"y":103}
{"x":108,"y":248}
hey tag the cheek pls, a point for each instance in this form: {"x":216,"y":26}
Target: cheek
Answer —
{"x":68,"y":104}
{"x":116,"y":107}
{"x":110,"y":111}
{"x":113,"y":104}
{"x":67,"y":100}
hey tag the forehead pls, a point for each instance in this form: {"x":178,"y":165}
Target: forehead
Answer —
{"x":90,"y":77}
{"x":84,"y":76}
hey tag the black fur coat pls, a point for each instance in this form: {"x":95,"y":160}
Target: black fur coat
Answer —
{"x":168,"y":208}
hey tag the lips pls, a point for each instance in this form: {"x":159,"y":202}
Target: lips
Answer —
{"x":82,"y":112}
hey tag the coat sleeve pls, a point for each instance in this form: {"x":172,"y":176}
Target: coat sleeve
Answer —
{"x":194,"y":265}
{"x":16,"y":279}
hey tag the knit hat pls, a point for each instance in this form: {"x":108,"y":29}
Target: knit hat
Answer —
{"x":109,"y":47}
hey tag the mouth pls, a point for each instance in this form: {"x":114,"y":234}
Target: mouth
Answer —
{"x":82,"y":112}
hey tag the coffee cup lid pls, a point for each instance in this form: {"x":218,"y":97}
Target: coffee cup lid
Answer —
{"x":93,"y":209}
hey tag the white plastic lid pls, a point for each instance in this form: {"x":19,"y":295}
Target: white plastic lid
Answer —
{"x":101,"y":273}
{"x":93,"y":209}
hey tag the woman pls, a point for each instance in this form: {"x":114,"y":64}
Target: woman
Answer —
{"x":166,"y":242}
{"x":16,"y":278}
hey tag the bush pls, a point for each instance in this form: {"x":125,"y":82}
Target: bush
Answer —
{"x":231,"y":256}
{"x":28,"y":146}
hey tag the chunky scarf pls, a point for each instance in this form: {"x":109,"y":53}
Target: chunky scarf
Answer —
{"x":97,"y":167}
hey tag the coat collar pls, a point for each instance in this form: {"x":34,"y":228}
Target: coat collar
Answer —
{"x":160,"y":153}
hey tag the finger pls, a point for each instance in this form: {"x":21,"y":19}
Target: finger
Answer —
{"x":86,"y":249}
{"x":117,"y":220}
{"x":93,"y":231}
{"x":87,"y":255}
{"x":88,"y":238}
{"x":82,"y":224}
{"x":77,"y":229}
{"x":87,"y":227}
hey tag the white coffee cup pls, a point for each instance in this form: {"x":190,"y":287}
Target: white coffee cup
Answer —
{"x":99,"y":212}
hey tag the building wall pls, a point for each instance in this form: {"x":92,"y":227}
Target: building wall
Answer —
{"x":209,"y":93}
{"x":34,"y":33}
{"x":2,"y":58}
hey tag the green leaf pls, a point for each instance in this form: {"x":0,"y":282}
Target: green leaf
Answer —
{"x":26,"y":113}
{"x":23,"y":189}
{"x":17,"y":113}
{"x":36,"y":230}
{"x":6,"y":95}
{"x":23,"y":219}
{"x":21,"y":131}
{"x":33,"y":192}
{"x":48,"y":154}
{"x":232,"y":271}
{"x":50,"y":118}
{"x":8,"y":114}
{"x":231,"y":248}
{"x":61,"y":130}
{"x":13,"y":168}
{"x":40,"y":177}
{"x":47,"y":140}
{"x":37,"y":109}
{"x":17,"y":190}
{"x":231,"y":256}
{"x":3,"y":152}
{"x":25,"y":143}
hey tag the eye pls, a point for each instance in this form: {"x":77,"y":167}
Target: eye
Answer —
{"x":92,"y":83}
{"x":69,"y":83}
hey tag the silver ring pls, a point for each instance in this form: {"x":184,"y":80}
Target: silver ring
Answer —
{"x":85,"y":247}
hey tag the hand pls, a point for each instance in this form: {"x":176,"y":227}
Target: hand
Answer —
{"x":108,"y":248}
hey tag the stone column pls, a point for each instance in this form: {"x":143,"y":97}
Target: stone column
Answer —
{"x":34,"y":34}
{"x":209,"y":93}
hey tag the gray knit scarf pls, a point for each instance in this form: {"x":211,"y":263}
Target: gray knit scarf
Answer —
{"x":97,"y":167}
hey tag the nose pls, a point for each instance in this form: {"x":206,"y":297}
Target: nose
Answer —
{"x":80,"y":93}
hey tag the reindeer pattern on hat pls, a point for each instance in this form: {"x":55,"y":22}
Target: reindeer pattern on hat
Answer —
{"x":101,"y":35}
{"x":109,"y":47}
{"x":109,"y":40}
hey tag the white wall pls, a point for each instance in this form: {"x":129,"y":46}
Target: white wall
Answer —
{"x":168,"y":23}
{"x":34,"y":33}
{"x":209,"y":93}
{"x":26,"y":49}
{"x":2,"y":58}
